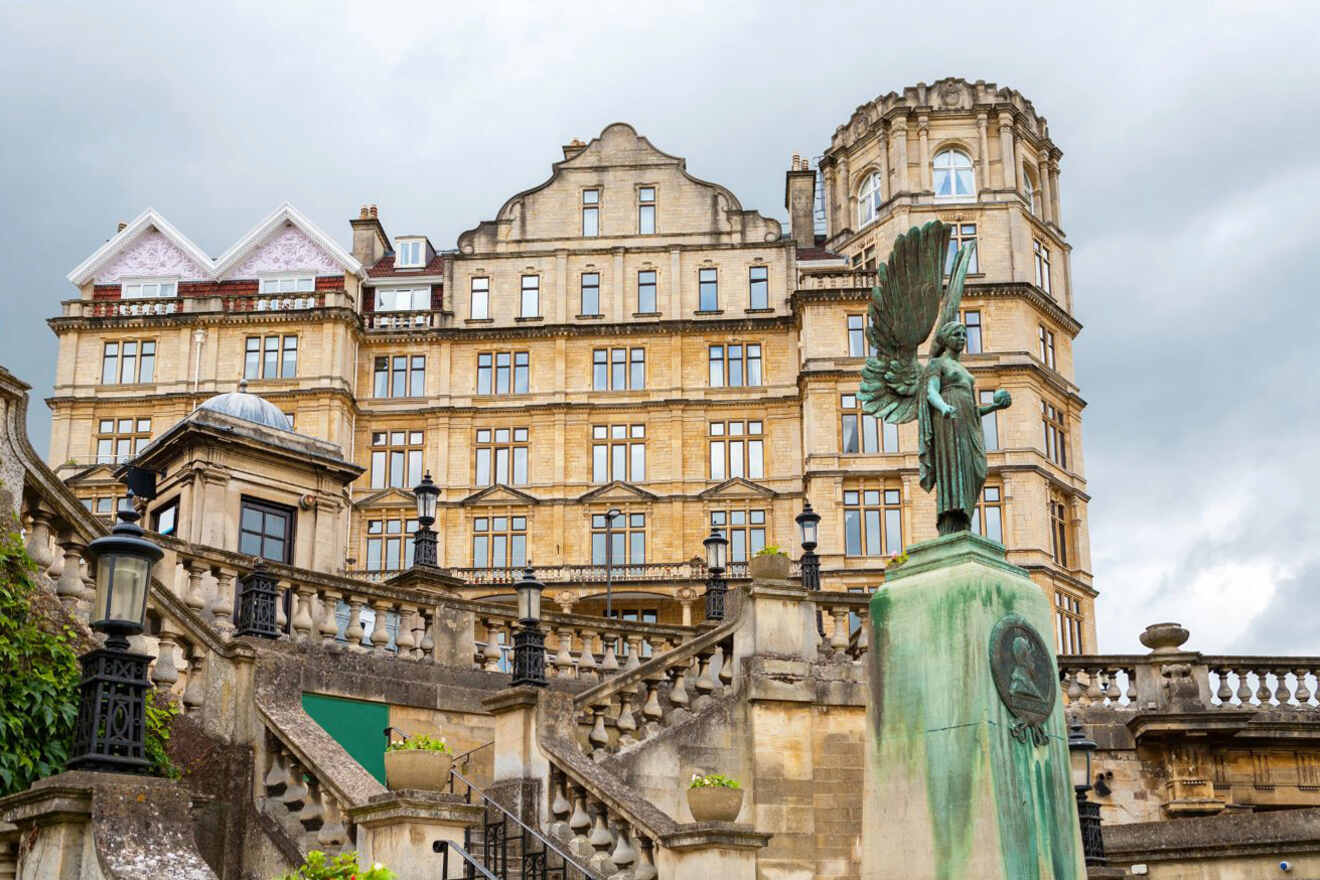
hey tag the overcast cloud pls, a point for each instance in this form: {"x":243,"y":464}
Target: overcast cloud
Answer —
{"x":1190,"y":182}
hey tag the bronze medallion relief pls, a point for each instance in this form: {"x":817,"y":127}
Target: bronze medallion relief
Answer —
{"x":1020,"y":665}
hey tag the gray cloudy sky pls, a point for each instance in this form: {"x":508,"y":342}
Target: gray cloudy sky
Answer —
{"x":1190,"y":182}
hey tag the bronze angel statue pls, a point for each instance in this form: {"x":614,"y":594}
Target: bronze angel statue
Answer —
{"x":909,"y":299}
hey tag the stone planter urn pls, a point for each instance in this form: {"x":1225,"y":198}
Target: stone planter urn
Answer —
{"x":1164,"y":638}
{"x":772,"y":566}
{"x":424,"y":769}
{"x":715,"y":803}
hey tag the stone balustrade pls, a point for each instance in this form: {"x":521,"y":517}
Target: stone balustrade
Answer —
{"x":689,"y":571}
{"x":422,"y":319}
{"x":213,"y":303}
{"x":122,"y":308}
{"x":836,"y":279}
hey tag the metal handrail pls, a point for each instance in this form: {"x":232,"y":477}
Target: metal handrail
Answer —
{"x":545,"y":841}
{"x":444,"y":846}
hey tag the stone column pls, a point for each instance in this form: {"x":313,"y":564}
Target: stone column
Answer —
{"x":847,"y":207}
{"x":983,"y":144}
{"x":831,"y":201}
{"x":1007,"y":152}
{"x":1056,"y":214}
{"x":1046,"y":189}
{"x":923,"y":132}
{"x":222,"y":607}
{"x":197,"y":570}
{"x":899,"y":129}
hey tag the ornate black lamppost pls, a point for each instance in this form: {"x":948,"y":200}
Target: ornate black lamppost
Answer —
{"x":424,"y":541}
{"x":610,"y":516}
{"x":808,"y":521}
{"x":112,"y":694}
{"x":257,"y":596}
{"x":717,"y":548}
{"x":1088,"y":811}
{"x":529,"y":641}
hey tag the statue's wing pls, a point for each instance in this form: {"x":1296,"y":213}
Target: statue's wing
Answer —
{"x":904,"y":305}
{"x":953,"y":293}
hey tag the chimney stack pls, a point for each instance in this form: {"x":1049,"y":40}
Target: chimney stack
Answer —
{"x":800,"y":200}
{"x":370,"y":242}
{"x":573,"y":147}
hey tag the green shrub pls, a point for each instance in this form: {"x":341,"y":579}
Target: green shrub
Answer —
{"x":419,"y":743}
{"x":713,"y":780}
{"x":769,"y":550}
{"x":38,"y":678}
{"x":342,"y":867}
{"x":161,"y":712}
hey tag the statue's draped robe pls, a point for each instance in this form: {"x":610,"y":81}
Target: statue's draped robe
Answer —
{"x":952,"y":450}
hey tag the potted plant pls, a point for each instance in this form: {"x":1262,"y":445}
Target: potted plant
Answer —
{"x":418,"y":762}
{"x":344,"y":866}
{"x":769,"y":563}
{"x":714,"y":797}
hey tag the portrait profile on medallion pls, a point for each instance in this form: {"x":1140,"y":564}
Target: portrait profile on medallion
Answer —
{"x":1024,"y":677}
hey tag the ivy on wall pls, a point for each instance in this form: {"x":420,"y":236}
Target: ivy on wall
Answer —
{"x":38,"y":677}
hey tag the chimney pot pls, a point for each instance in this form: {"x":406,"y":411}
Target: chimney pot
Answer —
{"x":122,"y":227}
{"x":373,"y":211}
{"x":363,"y":215}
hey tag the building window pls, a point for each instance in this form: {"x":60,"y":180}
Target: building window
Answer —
{"x":390,"y":543}
{"x":265,"y":530}
{"x":646,"y":304}
{"x":105,"y":506}
{"x":744,"y":529}
{"x":988,"y":517}
{"x":857,"y":344}
{"x":148,"y":289}
{"x":270,"y":357}
{"x":165,"y":519}
{"x":989,"y":421}
{"x":480,"y":310}
{"x":411,"y":253}
{"x":737,"y":449}
{"x":403,"y":299}
{"x":758,"y":287}
{"x":1046,"y":339}
{"x":499,"y":542}
{"x":964,"y":235}
{"x":1042,"y":265}
{"x":1030,"y":190}
{"x":735,"y":365}
{"x":289,"y":284}
{"x":396,"y":459}
{"x":1054,"y":433}
{"x":590,"y":212}
{"x":502,"y":456}
{"x":627,"y":539}
{"x":118,"y":440}
{"x":864,"y":260}
{"x":128,"y":361}
{"x":708,"y":289}
{"x":1059,"y":531}
{"x":1068,"y":608}
{"x":953,"y":175}
{"x":400,"y":376}
{"x":646,"y":210}
{"x":618,"y":369}
{"x":971,"y":319}
{"x":503,"y":372}
{"x":618,"y":452}
{"x":862,"y":432}
{"x":591,"y":293}
{"x":531,"y":296}
{"x":869,"y":199}
{"x":872,"y":522}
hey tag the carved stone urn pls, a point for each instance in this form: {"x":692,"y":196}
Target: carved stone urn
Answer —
{"x":423,"y":769}
{"x":1164,"y":638}
{"x":770,"y":566}
{"x":715,"y":803}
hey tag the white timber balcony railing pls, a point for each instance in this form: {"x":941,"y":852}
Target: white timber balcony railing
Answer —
{"x":416,"y":320}
{"x":120,"y":308}
{"x":274,"y":302}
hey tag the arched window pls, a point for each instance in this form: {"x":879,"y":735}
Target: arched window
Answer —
{"x":953,"y":175}
{"x":868,"y":199}
{"x":1030,"y":190}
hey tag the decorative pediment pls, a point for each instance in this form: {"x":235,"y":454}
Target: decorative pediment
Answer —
{"x":392,"y":497}
{"x":499,"y":494}
{"x":149,"y":247}
{"x":737,"y":487}
{"x":618,"y":490}
{"x":95,"y":475}
{"x":286,"y":241}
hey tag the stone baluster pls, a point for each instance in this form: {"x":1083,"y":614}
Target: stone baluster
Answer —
{"x":194,"y":692}
{"x":626,"y":723}
{"x":295,"y":792}
{"x":599,"y":737}
{"x":312,"y":815}
{"x":332,"y":833}
{"x":609,"y":664}
{"x":1303,"y":691}
{"x":564,"y":656}
{"x":726,"y":663}
{"x":380,"y":633}
{"x":634,"y":653}
{"x":1244,"y":689}
{"x":705,"y":684}
{"x":419,"y":630}
{"x":623,"y":855}
{"x":678,"y":694}
{"x":302,"y":622}
{"x":165,"y":671}
{"x":354,"y":631}
{"x":1224,"y":693}
{"x":281,"y":617}
{"x":863,"y":638}
{"x":645,"y":869}
{"x":1111,"y":687}
{"x":1094,"y":695}
{"x":580,"y":824}
{"x":839,"y":637}
{"x":560,"y":809}
{"x":8,"y":859}
{"x":1282,"y":692}
{"x":601,"y":840}
{"x":1262,"y":688}
{"x":492,"y":653}
{"x":1131,"y":693}
{"x":277,"y":777}
{"x":195,"y":598}
{"x":651,"y":710}
{"x":38,"y":539}
{"x":587,"y":659}
{"x":222,"y":606}
{"x":328,"y":624}
{"x":404,"y":642}
{"x":70,"y":587}
{"x":1074,"y":685}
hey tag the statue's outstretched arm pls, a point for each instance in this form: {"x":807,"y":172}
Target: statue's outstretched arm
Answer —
{"x":933,"y":395}
{"x":1002,"y":400}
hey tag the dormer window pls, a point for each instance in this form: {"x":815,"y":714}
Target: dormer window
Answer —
{"x":410,"y":253}
{"x":289,"y":284}
{"x":149,"y":289}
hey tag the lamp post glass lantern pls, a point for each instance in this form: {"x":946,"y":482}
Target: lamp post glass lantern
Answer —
{"x":529,"y":641}
{"x":808,"y":527}
{"x":425,"y":542}
{"x":110,"y":731}
{"x":717,"y":549}
{"x":1080,"y":751}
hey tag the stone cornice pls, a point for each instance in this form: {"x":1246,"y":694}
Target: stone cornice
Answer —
{"x":1010,"y":289}
{"x":670,"y":327}
{"x":974,"y":363}
{"x":61,"y":324}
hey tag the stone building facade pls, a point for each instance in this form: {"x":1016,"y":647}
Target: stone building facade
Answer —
{"x":623,"y":336}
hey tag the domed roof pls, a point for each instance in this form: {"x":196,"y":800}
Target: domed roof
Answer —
{"x":249,"y":407}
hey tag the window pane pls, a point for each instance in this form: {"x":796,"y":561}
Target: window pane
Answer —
{"x":646,"y":219}
{"x":852,"y":532}
{"x":483,"y":467}
{"x":378,"y":470}
{"x":717,"y":459}
{"x":599,"y":456}
{"x":873,"y":533}
{"x":753,"y":365}
{"x":716,"y":366}
{"x":755,"y":460}
{"x":759,"y":293}
{"x":646,"y":292}
{"x":893,"y":532}
{"x":708,"y":291}
{"x":618,"y":461}
{"x":637,"y":548}
{"x":638,"y":462}
{"x":637,"y":377}
{"x":850,"y":433}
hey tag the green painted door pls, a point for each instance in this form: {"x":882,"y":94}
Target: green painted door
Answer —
{"x":357,"y":725}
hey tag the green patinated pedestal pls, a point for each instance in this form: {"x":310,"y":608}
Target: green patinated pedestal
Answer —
{"x":951,"y":792}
